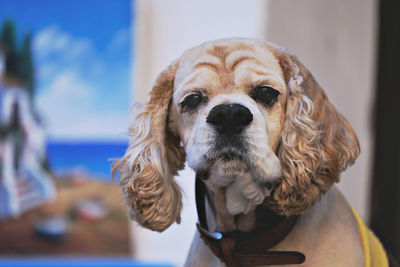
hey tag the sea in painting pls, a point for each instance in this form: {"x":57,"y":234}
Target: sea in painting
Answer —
{"x":92,"y":158}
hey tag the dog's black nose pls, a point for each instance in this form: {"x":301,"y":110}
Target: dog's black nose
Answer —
{"x":229,"y":118}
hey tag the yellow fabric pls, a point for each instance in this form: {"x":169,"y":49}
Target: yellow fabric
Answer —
{"x":375,"y":255}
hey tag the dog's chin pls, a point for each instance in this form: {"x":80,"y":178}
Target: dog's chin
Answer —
{"x":240,"y":180}
{"x":239,"y":184}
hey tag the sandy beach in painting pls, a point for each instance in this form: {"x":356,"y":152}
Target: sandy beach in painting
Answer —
{"x":106,"y":237}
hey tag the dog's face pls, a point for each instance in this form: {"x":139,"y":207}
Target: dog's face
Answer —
{"x":250,"y":119}
{"x":228,"y":107}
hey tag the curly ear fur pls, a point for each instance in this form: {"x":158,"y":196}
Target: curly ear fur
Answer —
{"x":152,"y":159}
{"x":317,"y":142}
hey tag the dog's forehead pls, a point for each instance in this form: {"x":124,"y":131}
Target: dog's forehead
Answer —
{"x":228,"y":62}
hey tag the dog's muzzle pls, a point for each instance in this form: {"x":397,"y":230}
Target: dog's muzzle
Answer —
{"x":229,"y":118}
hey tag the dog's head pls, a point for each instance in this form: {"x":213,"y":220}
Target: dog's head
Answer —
{"x":250,"y":120}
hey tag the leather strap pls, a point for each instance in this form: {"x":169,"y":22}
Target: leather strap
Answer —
{"x":228,"y":251}
{"x":238,"y":249}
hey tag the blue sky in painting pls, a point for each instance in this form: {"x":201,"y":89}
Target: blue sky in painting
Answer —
{"x":83,"y":63}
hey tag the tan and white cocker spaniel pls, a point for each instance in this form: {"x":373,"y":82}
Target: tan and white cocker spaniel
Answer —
{"x":256,"y":127}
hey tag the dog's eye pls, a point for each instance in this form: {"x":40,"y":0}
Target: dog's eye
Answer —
{"x":265,"y":94}
{"x":191,"y":102}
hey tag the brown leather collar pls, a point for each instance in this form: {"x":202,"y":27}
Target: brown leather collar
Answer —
{"x":239,"y":249}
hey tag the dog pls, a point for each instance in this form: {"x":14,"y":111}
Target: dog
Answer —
{"x":259,"y":131}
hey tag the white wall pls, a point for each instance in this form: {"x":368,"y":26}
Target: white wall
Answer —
{"x":336,"y":42}
{"x":164,"y":29}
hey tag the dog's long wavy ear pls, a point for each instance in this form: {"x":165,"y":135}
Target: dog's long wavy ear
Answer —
{"x":152,"y":159}
{"x":317,"y":142}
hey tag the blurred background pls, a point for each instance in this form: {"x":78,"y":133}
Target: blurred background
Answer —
{"x":65,"y":97}
{"x":71,"y":70}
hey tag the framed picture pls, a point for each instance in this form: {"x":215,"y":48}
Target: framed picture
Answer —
{"x":65,"y":70}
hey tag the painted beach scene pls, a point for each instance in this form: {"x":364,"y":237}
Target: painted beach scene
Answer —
{"x":65,"y":83}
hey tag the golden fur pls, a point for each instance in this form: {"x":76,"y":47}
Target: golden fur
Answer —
{"x":148,"y":167}
{"x":308,"y":138}
{"x":317,"y":142}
